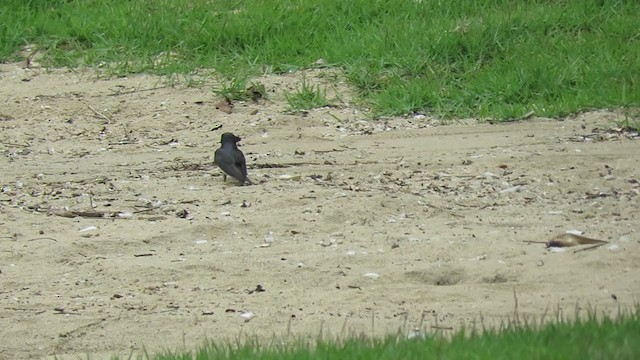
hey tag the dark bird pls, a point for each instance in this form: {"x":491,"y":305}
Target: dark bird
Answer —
{"x":231,"y":160}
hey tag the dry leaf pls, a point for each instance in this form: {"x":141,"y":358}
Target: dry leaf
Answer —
{"x":568,"y":239}
{"x":225,"y":106}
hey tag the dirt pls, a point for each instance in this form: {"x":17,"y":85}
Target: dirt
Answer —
{"x":118,"y":233}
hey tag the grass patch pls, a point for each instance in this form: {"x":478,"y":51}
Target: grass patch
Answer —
{"x":307,"y":97}
{"x":234,"y":88}
{"x":589,"y":338}
{"x":476,"y":58}
{"x":631,"y":121}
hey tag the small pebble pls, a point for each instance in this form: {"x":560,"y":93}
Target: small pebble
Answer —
{"x":247,"y":316}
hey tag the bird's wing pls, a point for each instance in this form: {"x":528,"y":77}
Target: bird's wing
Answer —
{"x":241,"y":163}
{"x":228,"y":163}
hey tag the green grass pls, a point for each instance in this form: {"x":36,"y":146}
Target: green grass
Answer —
{"x":589,"y":338}
{"x":495,"y":59}
{"x":631,"y":121}
{"x":307,"y":97}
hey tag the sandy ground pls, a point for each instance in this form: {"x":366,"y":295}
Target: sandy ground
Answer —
{"x":352,"y":226}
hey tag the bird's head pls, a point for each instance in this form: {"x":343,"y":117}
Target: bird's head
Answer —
{"x":229,"y":138}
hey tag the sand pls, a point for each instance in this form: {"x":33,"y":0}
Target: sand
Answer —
{"x":352,"y":226}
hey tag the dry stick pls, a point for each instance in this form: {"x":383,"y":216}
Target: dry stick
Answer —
{"x":145,"y":210}
{"x":89,"y":214}
{"x":160,"y":312}
{"x":443,"y":175}
{"x":442,"y":327}
{"x":43,"y":238}
{"x":80,"y":328}
{"x":85,"y":214}
{"x":442,"y":209}
{"x":538,"y":196}
{"x":99,"y":114}
{"x":61,"y":311}
{"x":327,"y":151}
{"x":527,"y":115}
{"x":137,"y":90}
{"x":283,"y":165}
{"x":72,"y":214}
{"x":13,"y":144}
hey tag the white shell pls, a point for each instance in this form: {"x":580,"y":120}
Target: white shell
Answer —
{"x":371,"y":275}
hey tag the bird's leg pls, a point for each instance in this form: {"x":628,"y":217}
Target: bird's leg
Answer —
{"x":224,"y":177}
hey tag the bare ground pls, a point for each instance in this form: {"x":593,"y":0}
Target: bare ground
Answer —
{"x":349,"y":220}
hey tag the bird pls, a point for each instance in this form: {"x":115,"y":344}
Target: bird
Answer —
{"x":231,"y":160}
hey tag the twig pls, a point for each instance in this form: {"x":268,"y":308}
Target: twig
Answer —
{"x":99,"y":114}
{"x":527,"y":115}
{"x":189,"y":201}
{"x":441,"y":327}
{"x":280,"y":166}
{"x":85,"y":214}
{"x":137,"y":90}
{"x":160,"y":311}
{"x":14,"y":144}
{"x":154,"y":218}
{"x":144,"y":210}
{"x":61,"y":311}
{"x":442,"y":209}
{"x":43,"y":238}
{"x":536,"y":195}
{"x":89,"y":214}
{"x":328,"y":151}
